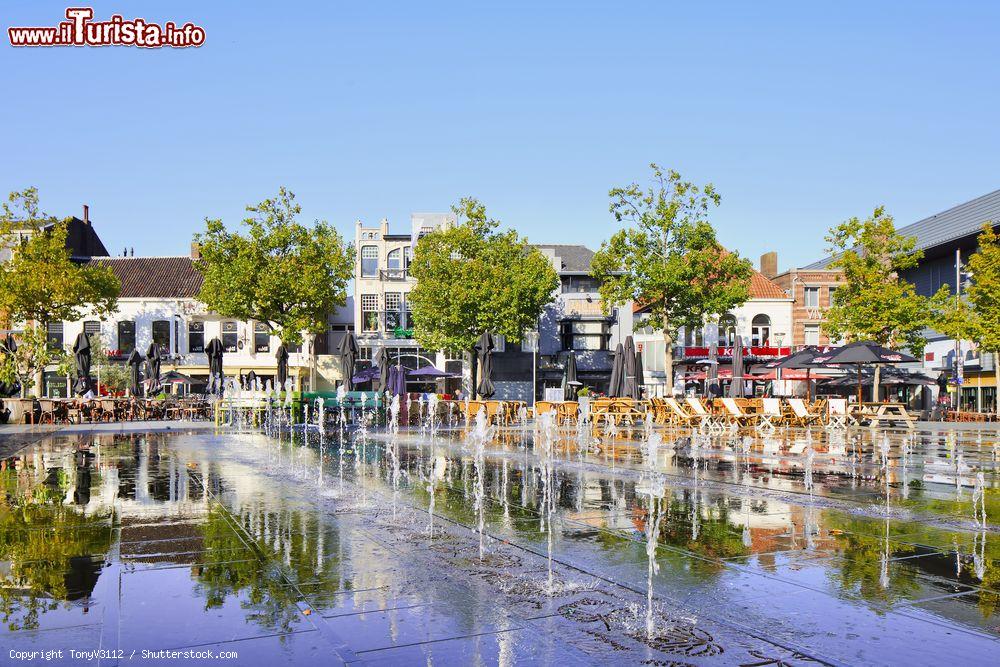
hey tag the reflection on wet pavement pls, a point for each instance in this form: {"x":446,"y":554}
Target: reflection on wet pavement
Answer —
{"x":700,"y":550}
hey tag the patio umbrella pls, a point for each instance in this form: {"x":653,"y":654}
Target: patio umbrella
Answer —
{"x":569,"y":378}
{"x":153,"y":360}
{"x":861,"y":353}
{"x":348,"y":351}
{"x":214,"y":350}
{"x":640,"y":377}
{"x":430,"y":372}
{"x":81,"y":350}
{"x":135,"y":361}
{"x":615,"y":384}
{"x":629,"y":387}
{"x":712,"y":373}
{"x":365,"y":375}
{"x":281,"y":356}
{"x":382,"y":363}
{"x":173,"y":377}
{"x":397,"y":380}
{"x":736,"y":386}
{"x":484,"y":356}
{"x":803,"y":359}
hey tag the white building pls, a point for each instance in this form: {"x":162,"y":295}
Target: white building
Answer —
{"x":158,"y":303}
{"x":763,"y":324}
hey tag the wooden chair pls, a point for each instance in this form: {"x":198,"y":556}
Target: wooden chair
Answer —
{"x":735,"y":416}
{"x":677,"y":415}
{"x":472,"y":409}
{"x":567,"y":412}
{"x":801,"y":415}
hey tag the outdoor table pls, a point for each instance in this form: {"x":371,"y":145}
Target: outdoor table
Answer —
{"x":885,"y":412}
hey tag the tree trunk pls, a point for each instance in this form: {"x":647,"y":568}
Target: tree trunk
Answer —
{"x":39,"y":374}
{"x":996,"y":379}
{"x":668,"y":363}
{"x":875,"y":381}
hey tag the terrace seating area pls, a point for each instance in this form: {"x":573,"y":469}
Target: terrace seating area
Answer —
{"x":98,"y":410}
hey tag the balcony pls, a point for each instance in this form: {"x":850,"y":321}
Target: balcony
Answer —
{"x":393,"y":274}
{"x":386,"y":324}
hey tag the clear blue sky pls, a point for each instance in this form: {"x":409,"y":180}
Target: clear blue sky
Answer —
{"x":802,"y":114}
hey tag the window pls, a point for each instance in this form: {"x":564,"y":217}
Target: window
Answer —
{"x":585,"y":335}
{"x":393,"y":310}
{"x":126,"y":336}
{"x":833,"y":297}
{"x":196,"y":336}
{"x":369,"y":261}
{"x":727,"y":331}
{"x":812,"y":297}
{"x":369,"y":312}
{"x":261,"y":337}
{"x":579,"y":284}
{"x":812,"y":334}
{"x":93,"y":330}
{"x":408,"y":256}
{"x":694,"y":337}
{"x":161,"y":335}
{"x":230,"y":337}
{"x":394,"y":260}
{"x":54,"y":335}
{"x":760,"y":331}
{"x":652,"y":355}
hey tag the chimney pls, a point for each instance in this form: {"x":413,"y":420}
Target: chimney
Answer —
{"x":195,"y":251}
{"x":86,"y":214}
{"x":769,"y":264}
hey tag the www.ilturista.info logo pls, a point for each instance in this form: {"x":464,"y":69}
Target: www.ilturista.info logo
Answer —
{"x":80,"y":30}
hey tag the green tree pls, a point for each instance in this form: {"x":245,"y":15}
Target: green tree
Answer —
{"x":282,"y":273}
{"x":40,"y":283}
{"x":984,"y":297}
{"x":472,"y":278}
{"x":874,"y":302}
{"x":668,"y":259}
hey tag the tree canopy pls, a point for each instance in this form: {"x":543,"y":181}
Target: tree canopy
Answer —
{"x":280,"y":272}
{"x":40,"y":283}
{"x":472,"y":277}
{"x":667,"y":258}
{"x":874,"y":302}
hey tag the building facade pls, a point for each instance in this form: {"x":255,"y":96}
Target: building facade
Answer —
{"x":763,"y":324}
{"x":812,"y":291}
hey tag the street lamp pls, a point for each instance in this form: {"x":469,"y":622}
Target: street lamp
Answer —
{"x":530,"y":344}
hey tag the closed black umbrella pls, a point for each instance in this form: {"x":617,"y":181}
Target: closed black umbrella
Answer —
{"x":153,"y":360}
{"x":81,"y":350}
{"x":396,"y":380}
{"x":251,"y":378}
{"x":348,"y":351}
{"x":135,"y":362}
{"x":484,"y":357}
{"x":569,"y":378}
{"x":617,"y":380}
{"x":640,"y":376}
{"x":736,"y":386}
{"x":382,"y":363}
{"x":281,"y":356}
{"x":630,"y":389}
{"x":215,"y":350}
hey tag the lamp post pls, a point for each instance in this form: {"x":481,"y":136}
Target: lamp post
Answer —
{"x":530,"y":344}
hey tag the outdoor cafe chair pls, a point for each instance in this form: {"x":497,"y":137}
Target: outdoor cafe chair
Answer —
{"x":541,"y":407}
{"x":800,"y":414}
{"x":836,"y":413}
{"x":566,"y":412}
{"x":708,"y":421}
{"x":735,"y":416}
{"x":771,"y":415}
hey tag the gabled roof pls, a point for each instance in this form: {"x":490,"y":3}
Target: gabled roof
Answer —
{"x":154,"y":277}
{"x":574,"y":258}
{"x":955,"y":223}
{"x":761,"y":287}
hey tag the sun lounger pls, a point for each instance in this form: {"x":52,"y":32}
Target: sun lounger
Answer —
{"x":771,"y":414}
{"x":800,"y":414}
{"x":707,"y":419}
{"x":676,"y":414}
{"x":734,"y":414}
{"x":836,"y":415}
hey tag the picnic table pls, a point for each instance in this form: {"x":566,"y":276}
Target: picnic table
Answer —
{"x":875,"y":413}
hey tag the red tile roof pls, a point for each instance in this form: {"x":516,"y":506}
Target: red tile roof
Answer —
{"x":154,"y":277}
{"x":762,"y":287}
